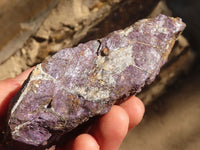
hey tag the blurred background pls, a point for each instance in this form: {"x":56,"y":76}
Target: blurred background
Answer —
{"x":33,"y":30}
{"x":173,"y":120}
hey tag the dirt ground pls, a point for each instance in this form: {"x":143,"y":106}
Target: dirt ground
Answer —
{"x":173,"y":121}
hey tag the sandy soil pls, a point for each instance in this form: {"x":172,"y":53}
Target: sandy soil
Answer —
{"x":173,"y":121}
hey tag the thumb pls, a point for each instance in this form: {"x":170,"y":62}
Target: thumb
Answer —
{"x":8,"y":88}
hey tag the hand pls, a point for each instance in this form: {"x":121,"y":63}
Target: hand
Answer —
{"x":107,"y":133}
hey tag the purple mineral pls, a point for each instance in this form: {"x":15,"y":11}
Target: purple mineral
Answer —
{"x":79,"y":83}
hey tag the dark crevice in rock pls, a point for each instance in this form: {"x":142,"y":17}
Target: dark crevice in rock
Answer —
{"x":50,"y":104}
{"x":39,"y":39}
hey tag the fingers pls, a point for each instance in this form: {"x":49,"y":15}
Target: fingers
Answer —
{"x":109,"y":131}
{"x":81,"y":142}
{"x":111,"y":128}
{"x":106,"y":134}
{"x":85,"y":142}
{"x":8,"y":88}
{"x":135,"y":110}
{"x":23,"y":76}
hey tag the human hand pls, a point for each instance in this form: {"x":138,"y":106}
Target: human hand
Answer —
{"x":107,"y":133}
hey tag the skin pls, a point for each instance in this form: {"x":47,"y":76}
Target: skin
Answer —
{"x":107,"y":133}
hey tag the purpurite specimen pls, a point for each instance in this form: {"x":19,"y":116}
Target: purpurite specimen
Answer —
{"x":78,"y":83}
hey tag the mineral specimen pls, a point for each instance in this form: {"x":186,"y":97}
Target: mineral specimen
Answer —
{"x":78,"y":83}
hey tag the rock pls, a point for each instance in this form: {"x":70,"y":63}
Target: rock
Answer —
{"x":46,"y":34}
{"x":79,"y":83}
{"x":179,"y":63}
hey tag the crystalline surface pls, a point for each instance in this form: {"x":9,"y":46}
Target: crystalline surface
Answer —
{"x":78,"y":83}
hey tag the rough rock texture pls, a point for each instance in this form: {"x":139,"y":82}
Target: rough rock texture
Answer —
{"x":79,"y":83}
{"x":63,"y":24}
{"x":179,"y":62}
